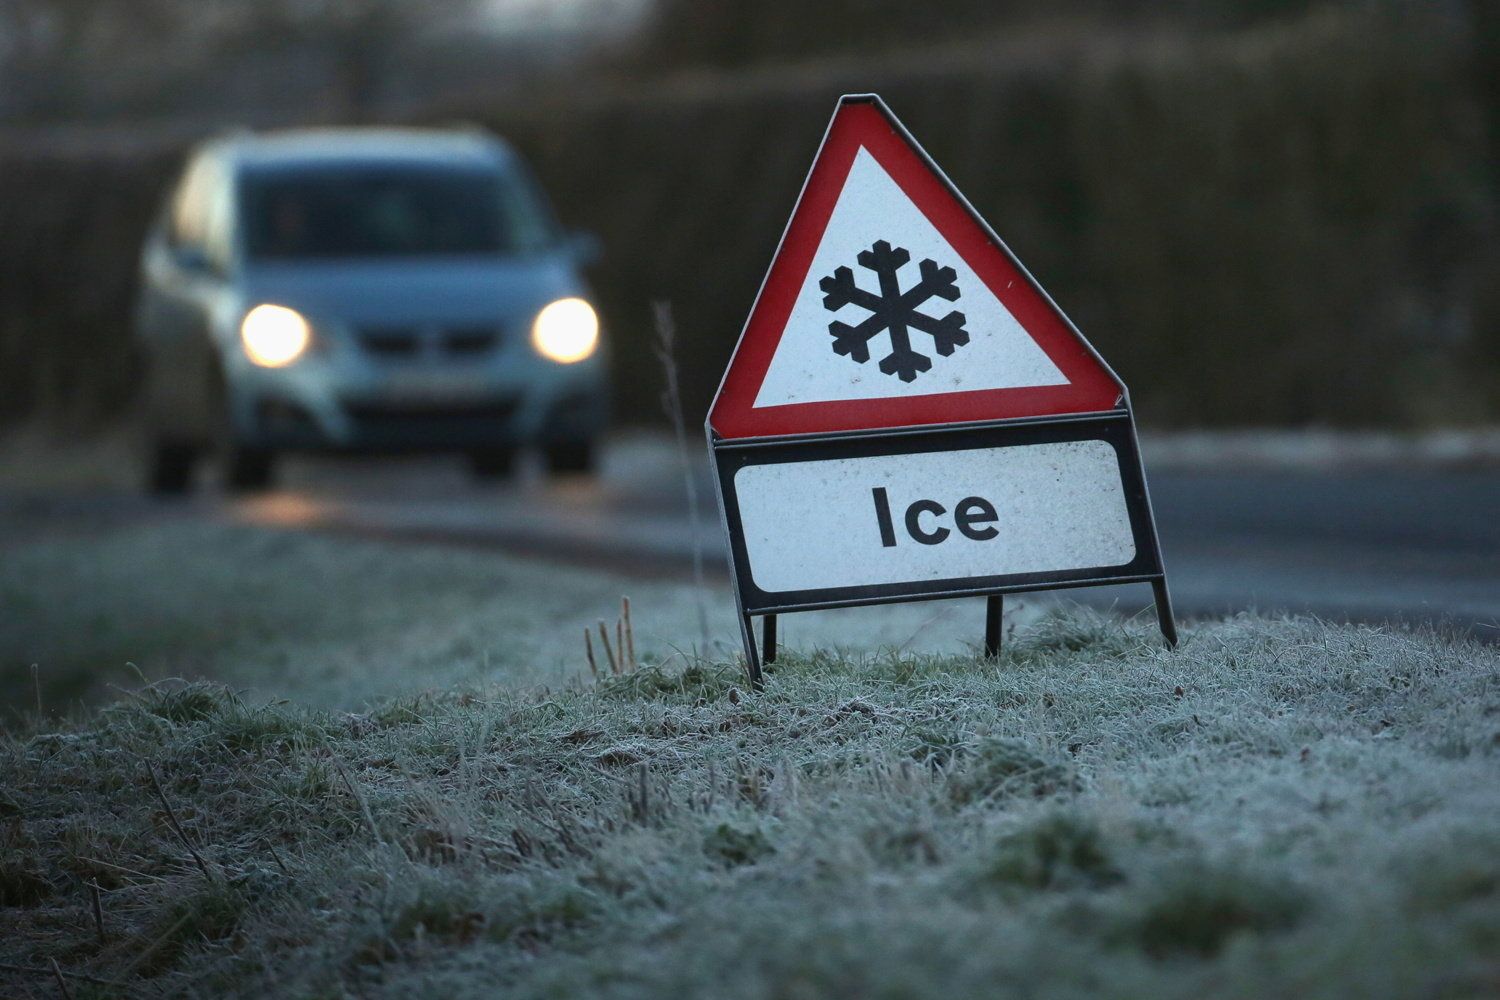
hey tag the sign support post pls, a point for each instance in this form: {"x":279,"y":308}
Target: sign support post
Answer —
{"x":994,"y":613}
{"x":870,"y":446}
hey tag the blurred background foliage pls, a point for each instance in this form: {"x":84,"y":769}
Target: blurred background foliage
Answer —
{"x":1261,"y":211}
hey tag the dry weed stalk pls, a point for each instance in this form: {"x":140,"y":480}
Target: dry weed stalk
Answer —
{"x":609,"y":654}
{"x":588,"y":649}
{"x":671,"y":402}
{"x":629,"y":632}
{"x":62,"y":984}
{"x":54,"y":970}
{"x":620,"y":656}
{"x":176,"y":826}
{"x":98,"y":907}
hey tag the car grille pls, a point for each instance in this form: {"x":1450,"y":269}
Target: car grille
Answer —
{"x":469,"y":340}
{"x":399,"y":342}
{"x":391,"y":342}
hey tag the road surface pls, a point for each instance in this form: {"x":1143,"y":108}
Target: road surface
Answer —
{"x":1369,"y":543}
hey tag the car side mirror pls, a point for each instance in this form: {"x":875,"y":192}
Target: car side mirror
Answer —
{"x":585,"y":248}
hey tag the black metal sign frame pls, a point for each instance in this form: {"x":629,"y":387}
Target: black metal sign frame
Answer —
{"x":1116,"y":428}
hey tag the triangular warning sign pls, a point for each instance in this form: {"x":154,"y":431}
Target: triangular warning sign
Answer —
{"x":890,"y":303}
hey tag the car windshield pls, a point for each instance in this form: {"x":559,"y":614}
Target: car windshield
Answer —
{"x":391,"y":211}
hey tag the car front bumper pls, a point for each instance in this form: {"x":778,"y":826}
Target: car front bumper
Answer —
{"x":317,"y":405}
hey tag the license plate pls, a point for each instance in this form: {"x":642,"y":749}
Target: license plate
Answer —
{"x":416,"y":388}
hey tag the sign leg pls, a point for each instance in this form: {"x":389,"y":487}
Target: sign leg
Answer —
{"x":752,"y":658}
{"x":1164,"y":611}
{"x":994,"y":609}
{"x":768,"y":639}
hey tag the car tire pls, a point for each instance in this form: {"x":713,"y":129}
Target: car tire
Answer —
{"x":169,"y":468}
{"x":570,"y":457}
{"x":492,"y":463}
{"x":248,"y":470}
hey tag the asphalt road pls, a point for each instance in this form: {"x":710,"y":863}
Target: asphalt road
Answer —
{"x":1370,"y":543}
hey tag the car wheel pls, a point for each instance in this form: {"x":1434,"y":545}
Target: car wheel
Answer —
{"x":169,"y":468}
{"x":570,"y":457}
{"x":247,"y":470}
{"x":492,"y":463}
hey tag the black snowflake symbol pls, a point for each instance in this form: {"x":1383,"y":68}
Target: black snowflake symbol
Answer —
{"x":894,"y":311}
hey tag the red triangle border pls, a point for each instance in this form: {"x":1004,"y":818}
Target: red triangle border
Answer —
{"x":863,"y":121}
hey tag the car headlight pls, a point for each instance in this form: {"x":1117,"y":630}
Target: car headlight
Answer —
{"x":566,"y":331}
{"x":274,"y":336}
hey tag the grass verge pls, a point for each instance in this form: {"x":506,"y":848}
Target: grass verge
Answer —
{"x":1277,"y":808}
{"x":336,"y":623}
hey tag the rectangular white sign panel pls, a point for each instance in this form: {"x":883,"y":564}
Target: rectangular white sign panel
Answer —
{"x":893,"y":519}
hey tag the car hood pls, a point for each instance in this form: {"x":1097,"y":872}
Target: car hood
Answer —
{"x":401,"y":292}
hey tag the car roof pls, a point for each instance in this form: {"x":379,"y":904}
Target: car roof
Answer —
{"x":361,"y":145}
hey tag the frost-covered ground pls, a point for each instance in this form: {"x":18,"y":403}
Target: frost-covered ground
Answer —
{"x":1278,"y":808}
{"x":410,"y":786}
{"x":338,"y":622}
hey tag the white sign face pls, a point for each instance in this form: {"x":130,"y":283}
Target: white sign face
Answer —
{"x":893,"y":519}
{"x":997,"y":353}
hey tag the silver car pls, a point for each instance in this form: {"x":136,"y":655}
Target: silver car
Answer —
{"x":364,"y":289}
